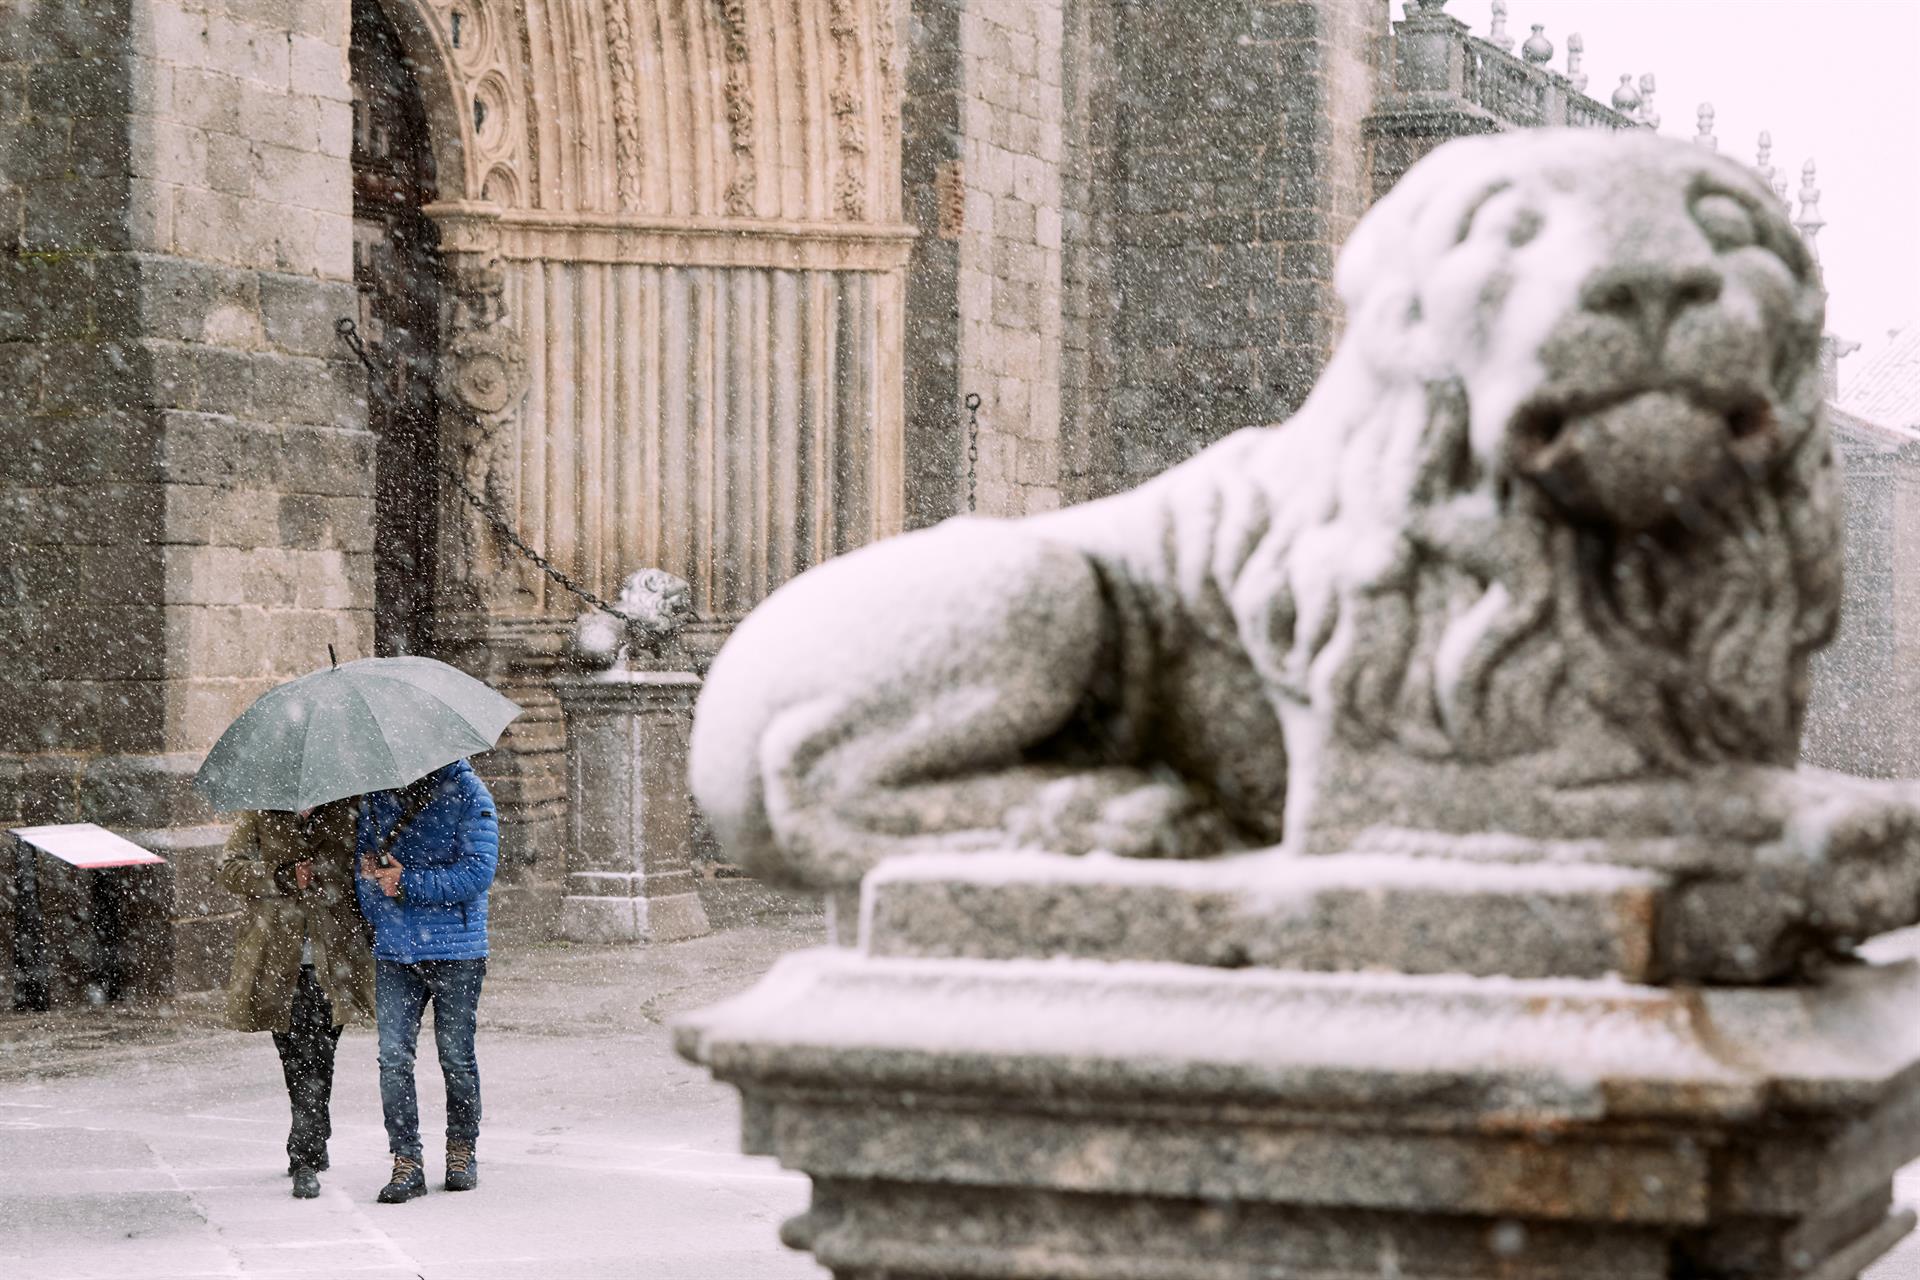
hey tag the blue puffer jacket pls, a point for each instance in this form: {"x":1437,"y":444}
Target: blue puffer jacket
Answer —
{"x":448,"y":851}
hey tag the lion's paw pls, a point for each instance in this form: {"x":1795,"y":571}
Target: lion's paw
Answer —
{"x":1122,"y":812}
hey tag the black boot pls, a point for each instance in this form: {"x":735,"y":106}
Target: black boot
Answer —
{"x":409,"y":1180}
{"x":318,"y":1166}
{"x":463,"y":1167}
{"x":306,"y":1183}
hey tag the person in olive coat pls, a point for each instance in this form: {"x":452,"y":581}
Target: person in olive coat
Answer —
{"x":303,"y":964}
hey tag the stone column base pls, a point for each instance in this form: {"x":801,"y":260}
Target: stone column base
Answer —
{"x":596,"y":911}
{"x":974,"y":1103}
{"x":630,"y":877}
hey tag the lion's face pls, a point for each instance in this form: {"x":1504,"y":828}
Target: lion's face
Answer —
{"x":1634,"y":321}
{"x":1580,"y":404}
{"x":658,"y":599}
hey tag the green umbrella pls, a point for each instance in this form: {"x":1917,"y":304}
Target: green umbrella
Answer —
{"x":370,"y":725}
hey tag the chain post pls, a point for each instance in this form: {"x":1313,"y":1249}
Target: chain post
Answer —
{"x":973,"y":446}
{"x":349,"y":333}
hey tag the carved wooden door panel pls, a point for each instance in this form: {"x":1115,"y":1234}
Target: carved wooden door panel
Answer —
{"x":396,"y":266}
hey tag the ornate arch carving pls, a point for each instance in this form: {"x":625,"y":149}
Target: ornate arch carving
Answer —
{"x":468,"y":59}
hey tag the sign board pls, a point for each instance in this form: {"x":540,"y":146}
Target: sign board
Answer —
{"x":87,"y":846}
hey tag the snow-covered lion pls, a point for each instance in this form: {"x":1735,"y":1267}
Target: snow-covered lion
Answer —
{"x":1560,"y":517}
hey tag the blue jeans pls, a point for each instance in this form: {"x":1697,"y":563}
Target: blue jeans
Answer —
{"x":401,"y":992}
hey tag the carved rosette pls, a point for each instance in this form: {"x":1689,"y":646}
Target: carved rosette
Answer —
{"x":626,"y":105}
{"x":850,"y":129}
{"x":739,"y":99}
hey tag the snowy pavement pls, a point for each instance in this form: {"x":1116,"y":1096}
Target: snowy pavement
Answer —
{"x":136,"y":1146}
{"x":149,"y":1147}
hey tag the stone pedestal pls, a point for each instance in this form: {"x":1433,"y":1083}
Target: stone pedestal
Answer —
{"x":1037,"y":1067}
{"x":630,"y":816}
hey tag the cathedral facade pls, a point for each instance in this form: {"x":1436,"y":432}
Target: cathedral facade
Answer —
{"x":387,"y":324}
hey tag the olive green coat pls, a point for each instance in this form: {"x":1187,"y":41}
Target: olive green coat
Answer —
{"x":266,"y":957}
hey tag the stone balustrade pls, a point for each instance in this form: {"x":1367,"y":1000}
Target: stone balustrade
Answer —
{"x":1446,"y":82}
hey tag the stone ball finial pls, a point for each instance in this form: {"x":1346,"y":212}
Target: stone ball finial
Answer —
{"x":1497,"y":29}
{"x":1703,"y":125}
{"x":1538,"y":49}
{"x":652,"y":608}
{"x":1576,"y":47}
{"x":1626,"y":98}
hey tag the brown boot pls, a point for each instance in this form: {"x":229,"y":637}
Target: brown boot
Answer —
{"x":409,"y":1180}
{"x":463,"y":1167}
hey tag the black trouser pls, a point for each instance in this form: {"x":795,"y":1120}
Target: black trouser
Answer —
{"x":306,"y":1059}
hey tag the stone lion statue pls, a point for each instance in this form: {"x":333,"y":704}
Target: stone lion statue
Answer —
{"x":1547,"y":552}
{"x":654,"y":605}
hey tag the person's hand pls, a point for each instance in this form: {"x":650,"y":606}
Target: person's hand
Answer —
{"x":303,"y":874}
{"x":387,"y":877}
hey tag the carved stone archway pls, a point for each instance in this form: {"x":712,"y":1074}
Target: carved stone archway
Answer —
{"x":681,"y":219}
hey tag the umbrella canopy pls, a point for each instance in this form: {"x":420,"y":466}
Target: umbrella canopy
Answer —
{"x":369,"y":725}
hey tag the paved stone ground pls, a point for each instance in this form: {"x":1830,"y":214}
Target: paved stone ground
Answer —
{"x":151,"y":1145}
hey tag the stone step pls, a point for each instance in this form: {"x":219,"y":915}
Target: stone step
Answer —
{"x":1274,"y":910}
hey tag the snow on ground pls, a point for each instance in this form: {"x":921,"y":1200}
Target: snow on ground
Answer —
{"x":152,"y":1148}
{"x":158,"y":1152}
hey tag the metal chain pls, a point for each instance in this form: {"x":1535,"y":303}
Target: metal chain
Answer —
{"x":973,"y":445}
{"x":349,"y":333}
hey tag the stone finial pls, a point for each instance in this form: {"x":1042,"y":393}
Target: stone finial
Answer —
{"x":1703,"y":125}
{"x":1647,"y":115}
{"x":1425,"y":8}
{"x":1809,"y":222}
{"x":1576,"y":46}
{"x":1626,"y":98}
{"x":1763,"y":159}
{"x":1538,"y":49}
{"x":1497,"y":30}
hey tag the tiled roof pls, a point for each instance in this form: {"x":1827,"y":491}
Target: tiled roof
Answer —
{"x":1885,"y":387}
{"x":1857,"y":434}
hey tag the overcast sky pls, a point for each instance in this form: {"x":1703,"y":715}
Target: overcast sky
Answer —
{"x":1834,"y":80}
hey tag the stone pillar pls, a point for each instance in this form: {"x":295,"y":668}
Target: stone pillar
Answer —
{"x":185,"y":472}
{"x":630,"y":816}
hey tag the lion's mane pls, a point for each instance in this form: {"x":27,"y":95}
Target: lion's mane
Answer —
{"x":1503,"y":625}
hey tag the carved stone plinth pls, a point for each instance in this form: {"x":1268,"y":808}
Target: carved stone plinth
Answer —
{"x":630,"y":818}
{"x":1012,"y":1118}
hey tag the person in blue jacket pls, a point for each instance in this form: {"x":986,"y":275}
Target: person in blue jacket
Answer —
{"x":427,"y":856}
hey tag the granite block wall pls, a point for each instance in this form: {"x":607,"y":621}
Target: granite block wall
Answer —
{"x":185,"y":481}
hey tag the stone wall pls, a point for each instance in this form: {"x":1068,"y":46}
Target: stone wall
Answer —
{"x":187,"y":476}
{"x":983,"y":150}
{"x":1866,"y":690}
{"x":1219,"y":166}
{"x":1129,"y":213}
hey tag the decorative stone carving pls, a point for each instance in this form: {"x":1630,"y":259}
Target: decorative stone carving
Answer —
{"x":1547,"y":553}
{"x":474,"y":74}
{"x":1509,"y":627}
{"x":655,"y":605}
{"x":739,"y":97}
{"x":849,"y":110}
{"x":483,"y":367}
{"x":626,"y":105}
